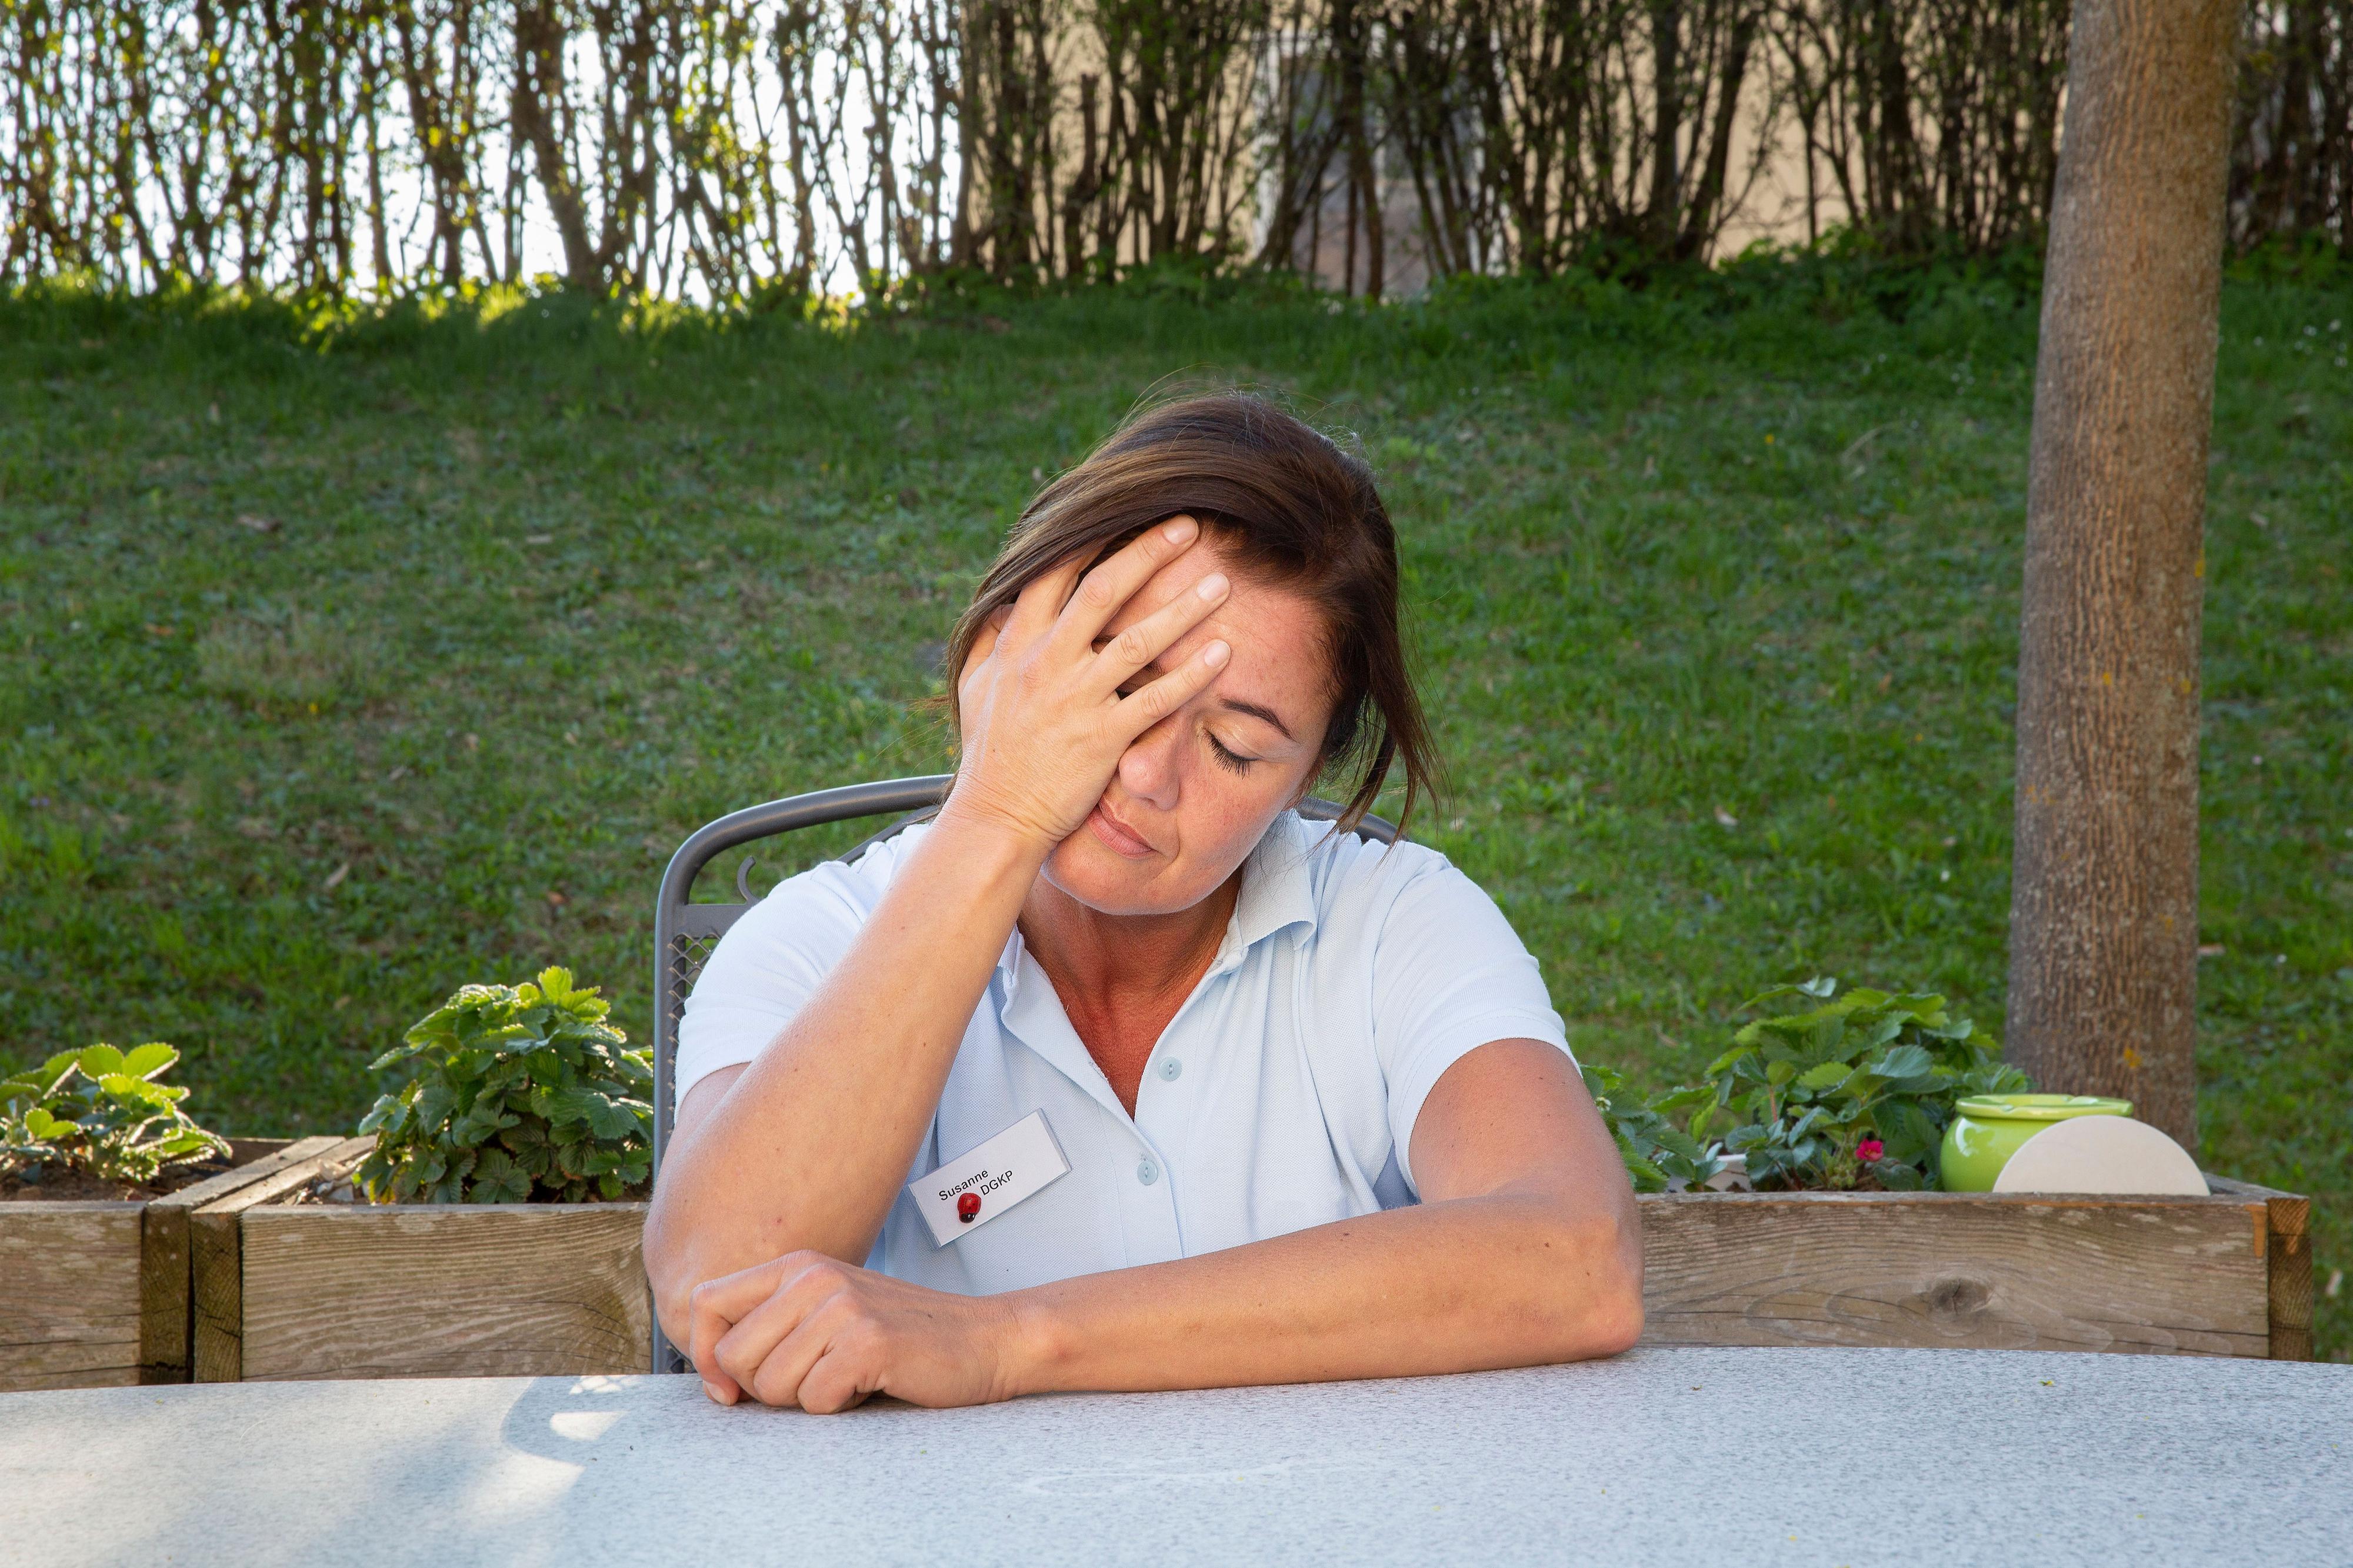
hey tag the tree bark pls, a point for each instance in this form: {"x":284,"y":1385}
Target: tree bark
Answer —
{"x":2104,"y":906}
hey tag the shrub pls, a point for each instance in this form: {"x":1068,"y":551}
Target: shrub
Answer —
{"x":516,"y":1093}
{"x":100,"y":1111}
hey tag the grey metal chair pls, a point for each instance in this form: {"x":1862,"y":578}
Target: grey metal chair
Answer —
{"x":685,"y":933}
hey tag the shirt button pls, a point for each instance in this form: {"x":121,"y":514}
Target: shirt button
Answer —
{"x":1147,"y":1172}
{"x":1171,"y":1070}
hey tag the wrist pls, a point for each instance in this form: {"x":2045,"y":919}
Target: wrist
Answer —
{"x":1031,"y":1345}
{"x":986,"y":837}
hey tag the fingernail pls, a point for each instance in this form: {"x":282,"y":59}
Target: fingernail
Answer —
{"x":1215,"y":653}
{"x":711,"y":1389}
{"x":1181,"y":529}
{"x":1213,"y":586}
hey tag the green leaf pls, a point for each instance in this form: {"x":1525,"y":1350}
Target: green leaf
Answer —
{"x":1905,"y":1062}
{"x":498,"y":1180}
{"x":606,"y":1116}
{"x":98,"y":1060}
{"x":398,"y":1053}
{"x":386,"y":1112}
{"x":1828,"y":1075}
{"x":41,"y":1124}
{"x":149,"y":1060}
{"x":1647,"y":1177}
{"x":138,"y":1091}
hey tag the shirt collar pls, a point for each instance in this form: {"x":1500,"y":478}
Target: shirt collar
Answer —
{"x":1277,"y":891}
{"x":1276,"y":894}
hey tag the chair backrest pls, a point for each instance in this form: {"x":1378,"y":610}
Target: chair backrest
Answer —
{"x":685,"y":933}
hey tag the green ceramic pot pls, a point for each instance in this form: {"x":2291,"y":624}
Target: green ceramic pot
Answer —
{"x":1986,"y":1129}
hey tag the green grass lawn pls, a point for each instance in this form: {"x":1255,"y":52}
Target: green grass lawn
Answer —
{"x":339,"y":668}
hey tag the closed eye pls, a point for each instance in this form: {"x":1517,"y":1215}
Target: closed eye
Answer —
{"x":1233,"y":761}
{"x":1226,"y":756}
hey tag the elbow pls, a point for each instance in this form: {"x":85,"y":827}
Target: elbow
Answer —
{"x":674,"y":1311}
{"x":670,"y":1274}
{"x":1616,"y":1322}
{"x":1600,"y":1302}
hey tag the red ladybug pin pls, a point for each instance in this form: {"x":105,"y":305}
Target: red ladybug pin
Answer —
{"x":968,"y":1208}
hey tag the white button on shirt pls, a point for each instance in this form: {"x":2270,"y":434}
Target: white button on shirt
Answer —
{"x":1282,"y":1095}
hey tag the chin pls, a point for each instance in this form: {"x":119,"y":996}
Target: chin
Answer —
{"x":1094,"y":875}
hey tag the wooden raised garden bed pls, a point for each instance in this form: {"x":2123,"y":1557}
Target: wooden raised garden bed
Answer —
{"x":311,"y":1289}
{"x":95,"y":1294}
{"x":286,"y":1289}
{"x":2230,"y":1274}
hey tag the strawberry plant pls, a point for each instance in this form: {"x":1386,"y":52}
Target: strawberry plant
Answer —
{"x":100,"y":1111}
{"x":516,"y":1093}
{"x":1856,"y":1090}
{"x":1655,"y":1151}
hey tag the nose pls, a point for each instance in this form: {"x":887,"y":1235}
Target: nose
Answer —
{"x":1148,"y":769}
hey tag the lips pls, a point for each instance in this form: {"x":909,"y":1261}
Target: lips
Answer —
{"x":1118,"y":836}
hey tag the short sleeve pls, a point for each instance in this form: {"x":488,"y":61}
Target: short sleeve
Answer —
{"x":1449,"y":975}
{"x":771,"y":961}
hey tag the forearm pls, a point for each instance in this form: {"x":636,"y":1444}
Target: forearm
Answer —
{"x":808,"y":1146}
{"x":1504,"y":1280}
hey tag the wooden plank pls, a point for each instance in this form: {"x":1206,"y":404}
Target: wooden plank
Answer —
{"x":2182,"y":1276}
{"x":69,"y":1295}
{"x":2287,"y":1219}
{"x":215,"y":1266}
{"x":2291,"y":1275}
{"x":444,"y":1291}
{"x":165,"y":1318}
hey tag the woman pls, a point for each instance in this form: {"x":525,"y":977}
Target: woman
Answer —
{"x":1119,"y":1075}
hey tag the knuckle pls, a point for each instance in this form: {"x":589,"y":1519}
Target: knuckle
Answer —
{"x":1132,"y":647}
{"x":1096,"y":594}
{"x":825,"y":1395}
{"x":820,"y":1269}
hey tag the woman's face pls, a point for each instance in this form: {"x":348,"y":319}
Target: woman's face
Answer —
{"x":1194,"y":794}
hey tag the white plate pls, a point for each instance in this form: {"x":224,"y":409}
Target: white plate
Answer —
{"x":2101,"y":1155}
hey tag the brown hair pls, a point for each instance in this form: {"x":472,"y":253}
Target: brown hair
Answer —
{"x":1294,"y":512}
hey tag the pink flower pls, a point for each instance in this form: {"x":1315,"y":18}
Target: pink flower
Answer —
{"x":1869,"y":1150}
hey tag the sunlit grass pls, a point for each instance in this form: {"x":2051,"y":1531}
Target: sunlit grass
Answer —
{"x":1718,"y":611}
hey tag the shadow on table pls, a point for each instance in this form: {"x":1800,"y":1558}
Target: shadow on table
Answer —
{"x":569,"y":1419}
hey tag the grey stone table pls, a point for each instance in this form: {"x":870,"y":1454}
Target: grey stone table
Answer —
{"x":1662,"y":1458}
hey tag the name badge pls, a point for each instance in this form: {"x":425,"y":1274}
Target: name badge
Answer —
{"x":976,"y":1186}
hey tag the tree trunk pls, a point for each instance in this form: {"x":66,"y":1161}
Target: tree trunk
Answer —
{"x":2104,"y":907}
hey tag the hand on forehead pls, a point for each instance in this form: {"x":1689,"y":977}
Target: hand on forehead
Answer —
{"x":1279,"y":663}
{"x":1206,"y":556}
{"x":1253,"y":615}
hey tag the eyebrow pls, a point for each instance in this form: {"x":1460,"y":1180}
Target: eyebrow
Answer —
{"x":1256,"y":710}
{"x":1232,"y":704}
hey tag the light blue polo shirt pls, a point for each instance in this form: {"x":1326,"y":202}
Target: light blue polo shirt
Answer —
{"x":1282,"y":1095}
